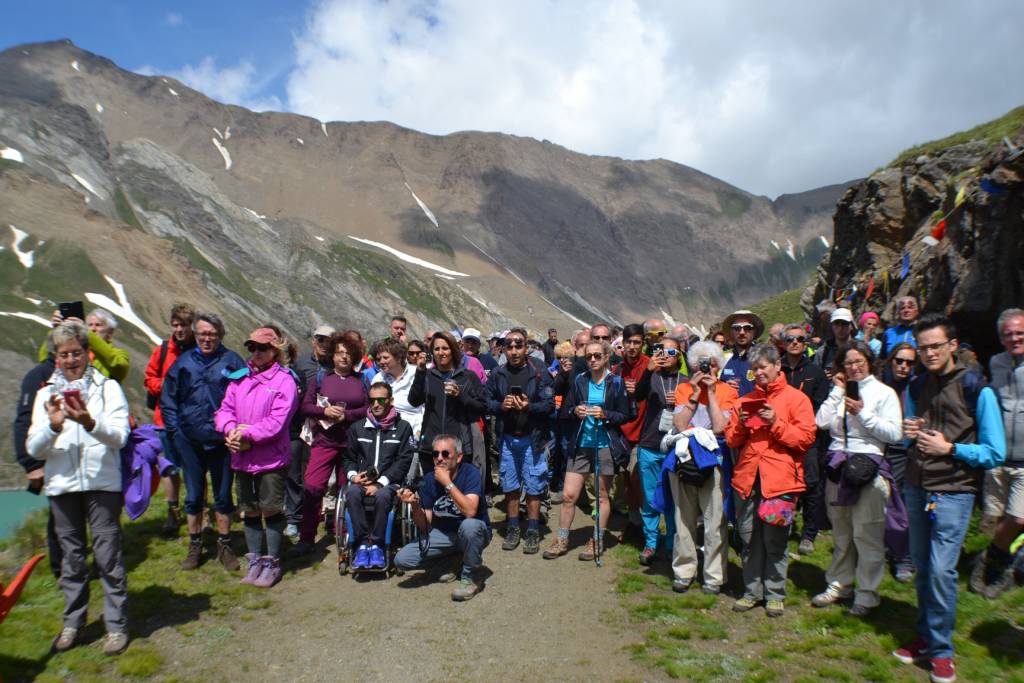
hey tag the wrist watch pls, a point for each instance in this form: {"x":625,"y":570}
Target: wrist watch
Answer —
{"x":449,"y":487}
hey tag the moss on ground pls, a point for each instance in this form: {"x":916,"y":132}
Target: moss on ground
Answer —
{"x":991,"y":133}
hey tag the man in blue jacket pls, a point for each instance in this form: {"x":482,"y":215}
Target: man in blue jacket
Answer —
{"x":521,"y":397}
{"x":193,"y":390}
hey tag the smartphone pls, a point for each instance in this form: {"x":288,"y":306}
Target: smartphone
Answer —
{"x":515,"y":391}
{"x":705,"y":365}
{"x":657,"y":347}
{"x":73,"y":393}
{"x":372,"y":474}
{"x":72,"y":309}
{"x":853,"y":389}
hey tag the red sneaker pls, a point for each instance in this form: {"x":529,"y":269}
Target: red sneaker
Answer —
{"x":943,"y":670}
{"x":908,"y":654}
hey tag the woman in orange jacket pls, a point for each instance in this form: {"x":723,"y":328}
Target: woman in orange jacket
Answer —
{"x":772,"y":431}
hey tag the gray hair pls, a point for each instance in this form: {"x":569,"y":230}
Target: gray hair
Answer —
{"x":794,"y":326}
{"x":705,"y":349}
{"x":210,"y":319}
{"x":106,"y":316}
{"x":66,"y":332}
{"x":1006,"y":316}
{"x":456,"y":441}
{"x":763,"y":353}
{"x":826,"y":305}
{"x":680,"y":333}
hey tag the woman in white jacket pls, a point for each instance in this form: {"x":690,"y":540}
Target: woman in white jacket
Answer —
{"x":860,"y":429}
{"x":79,"y":424}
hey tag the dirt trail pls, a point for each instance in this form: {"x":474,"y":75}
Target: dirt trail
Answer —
{"x":535,"y":620}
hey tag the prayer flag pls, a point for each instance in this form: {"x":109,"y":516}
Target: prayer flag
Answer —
{"x":990,"y":186}
{"x":960,"y":196}
{"x":939,"y":230}
{"x":871,"y":288}
{"x":906,"y":265}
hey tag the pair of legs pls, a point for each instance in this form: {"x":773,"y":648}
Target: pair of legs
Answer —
{"x":323,"y":461}
{"x":705,"y":502}
{"x":197,"y":462}
{"x":578,"y":470}
{"x":858,"y":534}
{"x":468,"y":540}
{"x":522,"y":467}
{"x":356,"y":503}
{"x":261,"y":501}
{"x":765,"y":556}
{"x":172,"y":482}
{"x":648,"y":468}
{"x":294,"y":483}
{"x":1004,"y":501}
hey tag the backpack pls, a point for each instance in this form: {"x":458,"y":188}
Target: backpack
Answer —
{"x":153,"y":401}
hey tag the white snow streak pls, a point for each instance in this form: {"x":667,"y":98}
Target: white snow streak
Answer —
{"x":27,"y":258}
{"x":74,"y":65}
{"x":122,"y":308}
{"x":823,"y":241}
{"x":11,"y":154}
{"x":428,"y":212}
{"x":27,"y":316}
{"x":227,"y":133}
{"x":35,"y":302}
{"x":299,"y":140}
{"x":790,"y":251}
{"x":221,"y":136}
{"x":254,"y":214}
{"x":318,"y":238}
{"x":444,"y":277}
{"x":87,"y":185}
{"x":408,"y":258}
{"x":323,"y":127}
{"x":99,"y":108}
{"x":564,"y":312}
{"x":223,"y":152}
{"x":173,"y":92}
{"x":667,"y":318}
{"x":775,"y":244}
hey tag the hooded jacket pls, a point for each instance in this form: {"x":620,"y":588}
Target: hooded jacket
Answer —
{"x":616,"y":411}
{"x":266,"y":402}
{"x":774,"y":453}
{"x":809,"y":378}
{"x":444,"y":414}
{"x":155,"y":372}
{"x":540,"y":396}
{"x":192,"y":391}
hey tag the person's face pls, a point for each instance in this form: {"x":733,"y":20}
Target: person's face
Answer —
{"x":743,"y":332}
{"x":515,"y":349}
{"x":414,"y":353}
{"x":596,"y":358}
{"x":261,"y":355}
{"x":442,"y":354}
{"x":72,"y":359}
{"x":906,"y":311}
{"x":841,"y":330}
{"x":775,"y":334}
{"x":99,"y":326}
{"x":868,"y":327}
{"x":673,"y":361}
{"x":343,"y":360}
{"x":553,"y":336}
{"x":719,"y":339}
{"x":632,"y":346}
{"x":855,"y":365}
{"x":581,"y":342}
{"x":903,"y":363}
{"x":936,"y":350}
{"x":320,"y":346}
{"x":386,"y":362}
{"x":765,"y":373}
{"x":380,"y":402}
{"x":445,"y":454}
{"x":1012,"y":336}
{"x":601,"y":333}
{"x":472,"y":346}
{"x":397,"y":329}
{"x":794,"y":341}
{"x":181,"y":331}
{"x":430,"y":335}
{"x":207,"y":338}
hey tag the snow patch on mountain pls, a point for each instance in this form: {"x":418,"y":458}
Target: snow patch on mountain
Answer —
{"x":74,"y":65}
{"x":99,"y":108}
{"x":27,"y":258}
{"x":87,"y":185}
{"x":790,"y":250}
{"x":323,"y":127}
{"x":11,"y":154}
{"x":27,"y":316}
{"x":122,"y":308}
{"x":824,"y":240}
{"x":409,"y":258}
{"x":223,"y":152}
{"x":427,"y":211}
{"x":173,"y":92}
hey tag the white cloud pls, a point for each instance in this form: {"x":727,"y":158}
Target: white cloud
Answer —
{"x":173,"y":19}
{"x":773,"y":97}
{"x":232,"y":84}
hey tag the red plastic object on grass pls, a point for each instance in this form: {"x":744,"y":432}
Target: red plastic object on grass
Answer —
{"x":12,"y":591}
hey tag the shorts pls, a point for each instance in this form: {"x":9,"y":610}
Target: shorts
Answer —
{"x":1004,"y":492}
{"x":582,"y":461}
{"x":261,"y":492}
{"x":521,"y":467}
{"x":169,"y":453}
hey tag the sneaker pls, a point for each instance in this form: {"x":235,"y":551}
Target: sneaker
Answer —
{"x":270,"y":574}
{"x":300,"y":549}
{"x":914,"y":652}
{"x":172,"y":523}
{"x":66,"y":640}
{"x":254,"y":568}
{"x":646,"y":557}
{"x":292,"y":531}
{"x":806,"y":547}
{"x":191,"y":561}
{"x":744,"y":604}
{"x":559,"y":547}
{"x":830,"y":596}
{"x":451,"y":574}
{"x":904,"y":574}
{"x":681,"y":585}
{"x":512,"y":536}
{"x":466,"y":590}
{"x":377,"y":557}
{"x":115,"y":643}
{"x":227,"y":557}
{"x":859,"y":611}
{"x":708,"y":589}
{"x":361,"y":559}
{"x":943,"y":670}
{"x":531,"y":544}
{"x":774,"y":608}
{"x":588,"y":555}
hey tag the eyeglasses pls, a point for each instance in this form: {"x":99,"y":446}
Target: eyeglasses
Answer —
{"x":599,"y":337}
{"x":790,"y":340}
{"x":516,"y":344}
{"x":253,"y":347}
{"x":595,"y":356}
{"x":444,"y":455}
{"x":905,"y":305}
{"x":859,"y":363}
{"x":64,"y":355}
{"x":923,"y":348}
{"x":381,"y":401}
{"x":903,"y":361}
{"x":561,"y":358}
{"x":671,"y":353}
{"x":743,"y":327}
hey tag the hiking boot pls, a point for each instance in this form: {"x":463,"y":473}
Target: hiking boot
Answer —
{"x":991,"y":574}
{"x":532,"y":543}
{"x":806,"y":547}
{"x":859,"y":611}
{"x":744,"y":604}
{"x":512,"y":536}
{"x":681,"y":585}
{"x":774,"y":608}
{"x":362,"y":558}
{"x":115,"y":643}
{"x":904,"y":573}
{"x":191,"y":561}
{"x":376,"y":557}
{"x":270,"y":574}
{"x":646,"y":557}
{"x":709,"y":589}
{"x":172,"y":523}
{"x":943,"y":670}
{"x":466,"y":590}
{"x":66,"y":640}
{"x":559,"y":547}
{"x":830,"y":596}
{"x":227,"y":557}
{"x":588,"y":555}
{"x":451,"y":574}
{"x":300,"y":549}
{"x":254,"y":568}
{"x":914,"y":652}
{"x":292,"y":531}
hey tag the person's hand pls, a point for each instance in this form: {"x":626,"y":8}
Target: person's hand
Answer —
{"x":654,"y":363}
{"x":707,"y":381}
{"x":451,"y":388}
{"x":838,"y":379}
{"x":630,"y":387}
{"x":421,"y":361}
{"x":581,"y":411}
{"x":335,"y":412}
{"x":56,"y":318}
{"x":695,"y":379}
{"x":931,"y":442}
{"x":597,"y":412}
{"x":734,"y":383}
{"x":408,"y":496}
{"x":767,"y":414}
{"x":55,"y":412}
{"x":442,"y":476}
{"x":36,"y":474}
{"x":522,"y":403}
{"x":371,"y":489}
{"x":75,"y":410}
{"x":912,"y":427}
{"x":744,"y":416}
{"x":565,"y":365}
{"x":853,"y":407}
{"x":829,"y":374}
{"x":670,"y":399}
{"x":509,"y":403}
{"x":360,"y":479}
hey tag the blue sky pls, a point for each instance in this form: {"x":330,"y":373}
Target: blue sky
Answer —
{"x":773,"y":97}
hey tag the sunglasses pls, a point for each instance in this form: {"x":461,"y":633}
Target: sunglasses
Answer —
{"x":790,"y":340}
{"x":601,"y":338}
{"x":410,"y":352}
{"x":253,"y":347}
{"x":595,"y":356}
{"x":743,"y":328}
{"x":671,"y":353}
{"x":444,"y":455}
{"x":903,"y":361}
{"x":515,"y":344}
{"x":382,"y":401}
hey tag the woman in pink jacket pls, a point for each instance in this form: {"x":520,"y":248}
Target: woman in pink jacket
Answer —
{"x":254,"y":418}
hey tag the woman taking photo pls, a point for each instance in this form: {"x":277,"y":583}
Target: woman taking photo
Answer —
{"x":334,"y":400}
{"x":79,"y":424}
{"x":254,"y":418}
{"x":862,"y":415}
{"x":597,"y":401}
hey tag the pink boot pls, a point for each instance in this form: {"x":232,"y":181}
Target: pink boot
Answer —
{"x":271,"y":573}
{"x":255,"y":567}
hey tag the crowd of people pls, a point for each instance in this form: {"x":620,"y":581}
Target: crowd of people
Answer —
{"x":886,"y":437}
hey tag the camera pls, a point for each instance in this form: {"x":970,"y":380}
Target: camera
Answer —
{"x":372,"y":474}
{"x":704,"y":365}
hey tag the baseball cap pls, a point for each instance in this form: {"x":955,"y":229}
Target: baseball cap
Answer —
{"x":323,"y":331}
{"x":841,"y":314}
{"x":471,"y":333}
{"x":262,"y":335}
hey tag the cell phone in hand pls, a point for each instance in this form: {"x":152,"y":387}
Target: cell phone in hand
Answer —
{"x":371,"y":474}
{"x":71,"y":309}
{"x":75,"y":394}
{"x":853,"y":389}
{"x":515,"y":391}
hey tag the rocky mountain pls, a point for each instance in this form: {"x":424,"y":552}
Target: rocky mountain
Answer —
{"x":953,"y":211}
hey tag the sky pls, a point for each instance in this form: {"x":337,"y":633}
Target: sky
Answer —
{"x":772,"y":97}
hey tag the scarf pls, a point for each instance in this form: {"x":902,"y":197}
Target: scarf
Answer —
{"x":387,"y":423}
{"x":61,"y":383}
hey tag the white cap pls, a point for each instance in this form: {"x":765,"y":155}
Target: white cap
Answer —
{"x":471,"y":333}
{"x":323,"y":331}
{"x":841,"y":314}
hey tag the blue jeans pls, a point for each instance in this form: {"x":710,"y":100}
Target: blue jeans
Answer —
{"x":649,"y":463}
{"x":521,"y":467}
{"x":935,"y":548}
{"x":195,"y":463}
{"x":469,"y":541}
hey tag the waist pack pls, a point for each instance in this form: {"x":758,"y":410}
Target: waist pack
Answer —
{"x":857,"y":470}
{"x":778,"y":511}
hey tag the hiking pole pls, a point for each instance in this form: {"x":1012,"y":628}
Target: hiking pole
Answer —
{"x":597,"y":517}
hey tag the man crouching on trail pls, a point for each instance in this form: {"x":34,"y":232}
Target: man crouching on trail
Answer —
{"x":450,"y":517}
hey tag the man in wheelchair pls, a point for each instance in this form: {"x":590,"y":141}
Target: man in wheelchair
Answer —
{"x":379,"y":454}
{"x":451,"y":516}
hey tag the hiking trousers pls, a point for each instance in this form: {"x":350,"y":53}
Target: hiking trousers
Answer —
{"x":858,"y":541}
{"x":705,"y":502}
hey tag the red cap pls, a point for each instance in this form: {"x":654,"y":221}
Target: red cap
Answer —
{"x":263,"y":335}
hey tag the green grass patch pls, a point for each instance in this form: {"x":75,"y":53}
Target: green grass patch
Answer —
{"x":630,"y":583}
{"x":781,"y":308}
{"x":991,"y":133}
{"x":124,"y":209}
{"x":732,"y":204}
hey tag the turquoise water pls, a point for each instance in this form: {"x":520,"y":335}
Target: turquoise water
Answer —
{"x":14,"y":506}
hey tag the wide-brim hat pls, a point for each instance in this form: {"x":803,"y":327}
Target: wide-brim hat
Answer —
{"x":749,"y":315}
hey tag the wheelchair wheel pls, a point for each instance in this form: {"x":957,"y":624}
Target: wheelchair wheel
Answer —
{"x":341,"y":537}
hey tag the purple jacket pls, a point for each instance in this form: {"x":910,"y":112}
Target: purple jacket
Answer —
{"x":265,"y":401}
{"x":138,"y":456}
